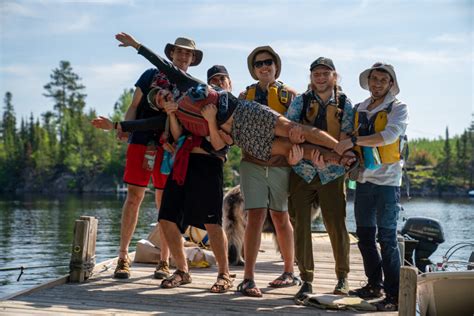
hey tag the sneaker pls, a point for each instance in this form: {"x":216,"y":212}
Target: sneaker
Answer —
{"x":162,"y":270}
{"x":388,"y":304}
{"x":368,"y":292}
{"x":122,"y":271}
{"x":307,"y":287}
{"x":342,"y":287}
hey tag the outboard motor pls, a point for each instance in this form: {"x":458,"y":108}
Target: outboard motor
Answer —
{"x":422,"y":237}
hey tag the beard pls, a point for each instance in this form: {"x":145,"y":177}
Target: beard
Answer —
{"x":320,"y":89}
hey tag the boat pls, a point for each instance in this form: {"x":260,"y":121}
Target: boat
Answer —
{"x":470,"y":193}
{"x":446,"y":293}
{"x":445,"y":288}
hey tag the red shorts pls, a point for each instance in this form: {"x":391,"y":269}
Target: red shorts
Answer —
{"x":136,"y":174}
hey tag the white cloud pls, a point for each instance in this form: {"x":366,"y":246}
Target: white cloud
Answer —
{"x":458,"y":38}
{"x":8,"y":8}
{"x":76,"y":24}
{"x":16,"y":70}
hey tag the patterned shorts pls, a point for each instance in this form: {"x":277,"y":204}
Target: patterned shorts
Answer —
{"x":253,"y":128}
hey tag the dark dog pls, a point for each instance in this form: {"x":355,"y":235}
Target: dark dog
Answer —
{"x":235,"y":219}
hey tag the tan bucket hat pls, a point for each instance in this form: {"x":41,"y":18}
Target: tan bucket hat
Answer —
{"x":186,"y":43}
{"x":261,"y":49}
{"x":364,"y":76}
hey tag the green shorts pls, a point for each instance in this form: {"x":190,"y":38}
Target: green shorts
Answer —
{"x":264,"y":187}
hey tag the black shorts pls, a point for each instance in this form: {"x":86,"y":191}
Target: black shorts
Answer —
{"x":199,"y":200}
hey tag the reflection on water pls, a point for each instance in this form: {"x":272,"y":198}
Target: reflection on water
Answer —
{"x":455,"y":215}
{"x":37,"y":230}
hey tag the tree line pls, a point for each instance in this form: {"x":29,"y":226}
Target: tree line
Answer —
{"x":61,"y":151}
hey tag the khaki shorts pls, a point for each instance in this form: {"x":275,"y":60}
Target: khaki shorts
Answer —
{"x":264,"y":187}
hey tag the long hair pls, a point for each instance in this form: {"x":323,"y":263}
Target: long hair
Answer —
{"x":336,"y":87}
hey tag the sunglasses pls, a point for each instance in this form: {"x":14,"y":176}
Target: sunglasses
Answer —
{"x":260,"y":63}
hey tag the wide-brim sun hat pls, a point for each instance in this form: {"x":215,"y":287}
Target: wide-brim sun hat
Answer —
{"x":185,"y":43}
{"x":260,"y":49}
{"x":151,"y":98}
{"x":364,"y":76}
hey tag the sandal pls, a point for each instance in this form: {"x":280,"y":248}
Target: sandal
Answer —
{"x":287,"y":279}
{"x":178,"y":278}
{"x":249,"y":288}
{"x":223,"y":283}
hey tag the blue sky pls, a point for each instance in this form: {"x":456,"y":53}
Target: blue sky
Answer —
{"x":430,"y":43}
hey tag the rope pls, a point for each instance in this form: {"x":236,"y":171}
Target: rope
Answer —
{"x":86,"y":266}
{"x":23,"y":268}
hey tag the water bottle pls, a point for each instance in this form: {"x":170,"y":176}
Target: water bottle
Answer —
{"x":351,"y":184}
{"x":371,"y":158}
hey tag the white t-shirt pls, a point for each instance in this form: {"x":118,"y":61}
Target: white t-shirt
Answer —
{"x":397,"y":121}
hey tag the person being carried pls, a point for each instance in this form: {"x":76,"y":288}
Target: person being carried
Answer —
{"x":193,"y":194}
{"x":253,"y":127}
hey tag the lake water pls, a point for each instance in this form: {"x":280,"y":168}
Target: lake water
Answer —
{"x":36,"y":231}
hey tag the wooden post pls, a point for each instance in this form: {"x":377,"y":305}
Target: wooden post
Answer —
{"x":91,"y":242}
{"x":83,"y":248}
{"x":407,"y":292}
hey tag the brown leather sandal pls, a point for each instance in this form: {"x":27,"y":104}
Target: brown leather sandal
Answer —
{"x":178,"y":278}
{"x":223,"y":283}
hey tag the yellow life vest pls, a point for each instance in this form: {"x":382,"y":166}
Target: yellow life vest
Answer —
{"x":279,"y":98}
{"x":388,"y":153}
{"x":326,"y":118}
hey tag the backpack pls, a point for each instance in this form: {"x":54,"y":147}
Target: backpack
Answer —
{"x":190,"y":106}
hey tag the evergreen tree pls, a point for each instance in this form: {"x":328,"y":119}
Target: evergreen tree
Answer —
{"x":9,"y":149}
{"x":69,"y":101}
{"x":9,"y":126}
{"x":122,"y":104}
{"x":447,"y":155}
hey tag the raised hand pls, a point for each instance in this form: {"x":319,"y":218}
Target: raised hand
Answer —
{"x":295,"y":155}
{"x":102,"y":123}
{"x":295,"y":134}
{"x":126,"y":40}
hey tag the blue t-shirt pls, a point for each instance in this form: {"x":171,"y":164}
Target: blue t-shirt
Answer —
{"x":148,"y":80}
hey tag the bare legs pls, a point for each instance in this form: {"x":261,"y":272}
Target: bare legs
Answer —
{"x":164,"y":249}
{"x":282,"y":146}
{"x":311,"y":134}
{"x":252,"y":239}
{"x":175,"y":243}
{"x":218,"y":240}
{"x":129,"y":217}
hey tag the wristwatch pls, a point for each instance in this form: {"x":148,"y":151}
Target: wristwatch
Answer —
{"x":354,"y":140}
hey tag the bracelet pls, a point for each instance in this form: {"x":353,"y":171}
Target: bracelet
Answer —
{"x":138,"y":46}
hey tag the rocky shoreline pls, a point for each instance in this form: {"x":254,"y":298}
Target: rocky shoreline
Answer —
{"x":67,"y":182}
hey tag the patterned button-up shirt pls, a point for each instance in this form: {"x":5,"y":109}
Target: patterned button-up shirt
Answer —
{"x":305,"y":168}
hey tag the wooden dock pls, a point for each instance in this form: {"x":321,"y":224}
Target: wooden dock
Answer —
{"x":103,"y":295}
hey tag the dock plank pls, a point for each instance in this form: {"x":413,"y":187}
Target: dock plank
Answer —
{"x":103,"y":295}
